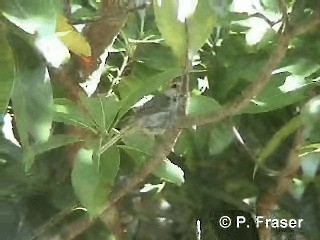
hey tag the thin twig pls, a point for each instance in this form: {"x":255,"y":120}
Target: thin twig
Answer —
{"x":119,"y":73}
{"x":284,"y":12}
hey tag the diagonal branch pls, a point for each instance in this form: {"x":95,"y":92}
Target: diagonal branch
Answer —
{"x":258,"y":85}
{"x":253,"y":90}
{"x":161,"y":151}
{"x":83,"y":223}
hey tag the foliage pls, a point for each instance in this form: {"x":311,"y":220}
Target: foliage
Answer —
{"x":69,"y":151}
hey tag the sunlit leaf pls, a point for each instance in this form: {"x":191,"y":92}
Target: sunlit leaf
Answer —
{"x":140,"y":141}
{"x":109,"y":166}
{"x":280,"y":92}
{"x":74,"y":40}
{"x":172,"y":30}
{"x":33,"y":16}
{"x":92,"y":185}
{"x":55,"y":141}
{"x":200,"y":25}
{"x":199,"y":105}
{"x":170,"y":172}
{"x":185,"y":26}
{"x":102,"y":109}
{"x":134,"y":87}
{"x":302,"y":67}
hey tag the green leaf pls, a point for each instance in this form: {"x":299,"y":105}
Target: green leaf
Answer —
{"x":13,"y":180}
{"x":280,"y":93}
{"x":199,"y":105}
{"x":172,"y":30}
{"x":68,"y":112}
{"x":133,"y":88}
{"x":185,"y":27}
{"x":157,"y":56}
{"x":33,"y":15}
{"x":109,"y":166}
{"x":170,"y":172}
{"x":28,"y":158}
{"x":276,"y":140}
{"x":103,"y":110}
{"x":137,"y":155}
{"x":301,"y":67}
{"x":200,"y":25}
{"x":220,"y":137}
{"x":91,"y":185}
{"x":140,"y":141}
{"x":32,"y":99}
{"x":55,"y":141}
{"x":315,"y":147}
{"x":7,"y":72}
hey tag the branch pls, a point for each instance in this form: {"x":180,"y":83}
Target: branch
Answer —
{"x":310,"y":25}
{"x":100,"y":35}
{"x":264,"y":77}
{"x":253,"y":90}
{"x":83,"y":223}
{"x":269,"y":200}
{"x":69,"y":231}
{"x":161,"y":151}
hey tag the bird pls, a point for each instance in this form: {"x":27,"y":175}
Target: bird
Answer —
{"x":153,"y":117}
{"x":158,"y":114}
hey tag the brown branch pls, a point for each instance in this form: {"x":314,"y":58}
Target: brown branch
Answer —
{"x":100,"y":35}
{"x":269,"y":200}
{"x":264,"y":77}
{"x":161,"y":151}
{"x":253,"y":90}
{"x":80,"y":225}
{"x":69,"y":231}
{"x":312,"y":23}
